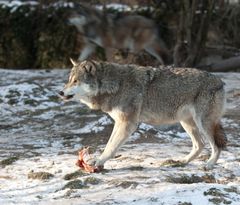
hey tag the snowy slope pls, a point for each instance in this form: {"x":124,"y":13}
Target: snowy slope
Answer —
{"x":40,"y":137}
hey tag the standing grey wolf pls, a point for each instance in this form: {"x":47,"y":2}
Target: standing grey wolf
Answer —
{"x":134,"y":33}
{"x":131,"y":94}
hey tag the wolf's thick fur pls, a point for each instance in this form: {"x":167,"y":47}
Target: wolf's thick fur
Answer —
{"x":133,"y":33}
{"x":131,"y":94}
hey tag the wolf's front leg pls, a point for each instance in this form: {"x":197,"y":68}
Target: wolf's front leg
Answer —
{"x":120,"y":133}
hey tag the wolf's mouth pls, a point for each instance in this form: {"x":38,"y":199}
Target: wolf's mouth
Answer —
{"x":68,"y":97}
{"x":65,"y":97}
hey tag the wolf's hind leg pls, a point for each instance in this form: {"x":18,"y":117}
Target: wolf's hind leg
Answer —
{"x":197,"y":142}
{"x":207,"y":118}
{"x":207,"y":128}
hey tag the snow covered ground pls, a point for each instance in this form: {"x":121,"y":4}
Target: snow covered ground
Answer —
{"x":40,"y":136}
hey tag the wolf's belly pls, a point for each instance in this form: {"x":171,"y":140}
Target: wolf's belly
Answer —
{"x":166,"y":116}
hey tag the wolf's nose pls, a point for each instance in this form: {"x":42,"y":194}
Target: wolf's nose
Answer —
{"x":61,"y":93}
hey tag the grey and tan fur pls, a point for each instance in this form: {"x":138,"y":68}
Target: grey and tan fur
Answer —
{"x":133,"y":33}
{"x":131,"y":94}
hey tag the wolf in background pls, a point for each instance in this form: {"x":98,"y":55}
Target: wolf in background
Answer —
{"x":133,"y":33}
{"x":132,"y":94}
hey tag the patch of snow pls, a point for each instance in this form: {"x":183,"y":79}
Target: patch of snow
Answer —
{"x":232,"y":87}
{"x":16,"y":3}
{"x":95,"y":126}
{"x":105,"y":120}
{"x":115,"y":6}
{"x":145,"y":127}
{"x":182,"y":134}
{"x":135,"y":136}
{"x":124,"y":8}
{"x":229,"y":122}
{"x":62,"y":4}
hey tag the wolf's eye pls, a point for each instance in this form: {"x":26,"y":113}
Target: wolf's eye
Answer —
{"x":75,"y":81}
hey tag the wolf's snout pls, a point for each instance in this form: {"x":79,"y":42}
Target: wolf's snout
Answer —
{"x":65,"y":97}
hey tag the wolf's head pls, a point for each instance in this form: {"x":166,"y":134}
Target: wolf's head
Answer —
{"x":82,"y":81}
{"x":85,"y":16}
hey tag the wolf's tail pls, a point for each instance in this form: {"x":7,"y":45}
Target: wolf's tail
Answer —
{"x":220,"y":136}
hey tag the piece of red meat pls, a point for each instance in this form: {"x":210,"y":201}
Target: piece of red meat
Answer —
{"x":83,"y":155}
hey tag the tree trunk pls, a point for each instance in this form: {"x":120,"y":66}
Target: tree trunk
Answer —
{"x":193,"y":29}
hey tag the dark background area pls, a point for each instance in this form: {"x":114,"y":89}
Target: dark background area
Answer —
{"x":202,"y":33}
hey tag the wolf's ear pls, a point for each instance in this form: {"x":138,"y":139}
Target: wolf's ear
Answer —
{"x":90,"y":67}
{"x":73,"y":62}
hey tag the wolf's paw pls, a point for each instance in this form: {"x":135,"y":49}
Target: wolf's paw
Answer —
{"x":208,"y":167}
{"x":173,"y":163}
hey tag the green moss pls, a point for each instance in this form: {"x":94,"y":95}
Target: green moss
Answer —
{"x":92,"y":180}
{"x":54,"y":98}
{"x":219,"y":201}
{"x":218,"y":196}
{"x":232,"y":189}
{"x":127,"y":184}
{"x":184,"y":203}
{"x":13,"y":96}
{"x":75,"y":184}
{"x":173,"y":163}
{"x":213,"y":192}
{"x":184,"y":179}
{"x":8,"y":161}
{"x":124,"y":184}
{"x":74,"y":175}
{"x":136,"y":168}
{"x":40,"y":175}
{"x":31,"y":102}
{"x":13,"y":93}
{"x":12,"y":101}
